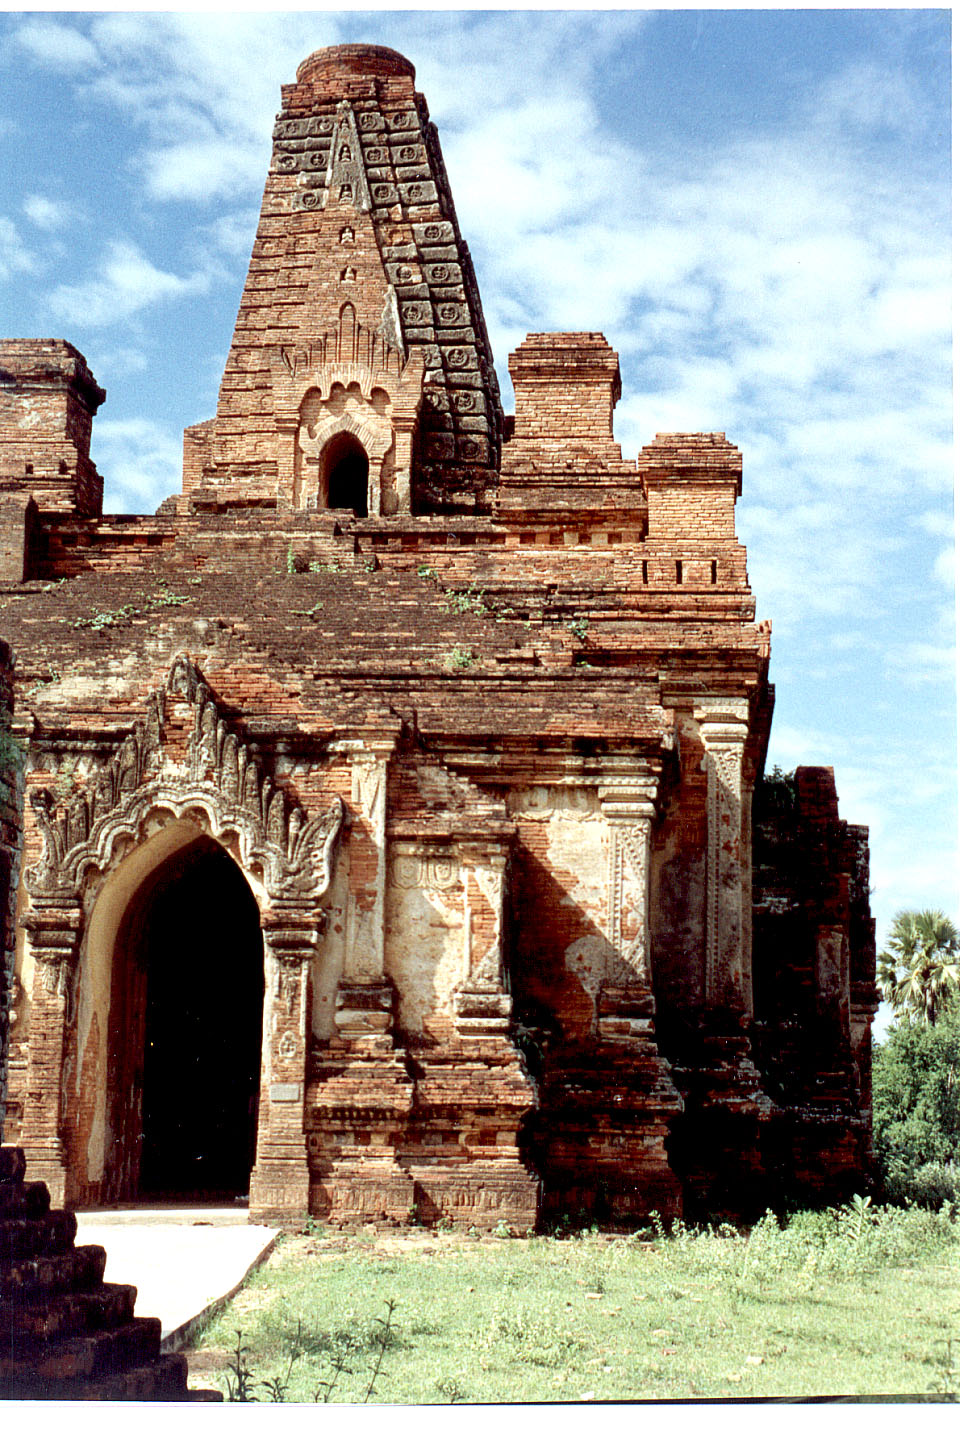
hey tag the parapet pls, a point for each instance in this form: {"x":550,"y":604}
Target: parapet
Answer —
{"x":817,"y":794}
{"x":566,"y":387}
{"x":692,"y":483}
{"x":54,"y":363}
{"x":48,"y":398}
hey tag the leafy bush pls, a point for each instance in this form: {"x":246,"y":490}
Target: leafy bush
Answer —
{"x":935,"y":1185}
{"x":916,"y":1111}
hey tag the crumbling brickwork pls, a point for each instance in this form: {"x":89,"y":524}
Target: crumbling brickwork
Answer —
{"x":815,"y":984}
{"x":475,"y":705}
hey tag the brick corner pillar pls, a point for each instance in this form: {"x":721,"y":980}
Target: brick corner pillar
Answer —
{"x":54,"y":927}
{"x":488,"y":1179}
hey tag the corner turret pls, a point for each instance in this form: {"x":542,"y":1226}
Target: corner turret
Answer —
{"x":48,"y":398}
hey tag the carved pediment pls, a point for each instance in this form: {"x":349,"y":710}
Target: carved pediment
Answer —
{"x":222,"y":783}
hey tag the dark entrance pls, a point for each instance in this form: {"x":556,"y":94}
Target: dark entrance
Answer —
{"x":197,"y":946}
{"x":346,"y":470}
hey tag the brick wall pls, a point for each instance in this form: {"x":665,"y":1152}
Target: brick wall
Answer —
{"x":11,"y":800}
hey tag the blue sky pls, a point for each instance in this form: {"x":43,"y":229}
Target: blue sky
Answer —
{"x":754,"y":206}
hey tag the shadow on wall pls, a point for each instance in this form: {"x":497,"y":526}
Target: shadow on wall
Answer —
{"x":559,"y":957}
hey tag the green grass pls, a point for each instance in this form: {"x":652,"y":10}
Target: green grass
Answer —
{"x":849,"y":1303}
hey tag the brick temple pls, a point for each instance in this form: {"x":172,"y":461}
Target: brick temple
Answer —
{"x":395,"y":843}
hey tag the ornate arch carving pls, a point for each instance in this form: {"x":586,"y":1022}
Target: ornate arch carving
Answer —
{"x":222,"y":781}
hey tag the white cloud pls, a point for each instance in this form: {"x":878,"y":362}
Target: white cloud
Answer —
{"x":15,"y":257}
{"x":867,"y":96}
{"x":56,"y":46}
{"x":233,"y":233}
{"x":920,"y":662}
{"x":128,"y":282}
{"x":945,"y":567}
{"x":202,"y":169}
{"x":140,"y":461}
{"x":121,"y":360}
{"x":45,"y":213}
{"x":203,"y":92}
{"x":935,"y":522}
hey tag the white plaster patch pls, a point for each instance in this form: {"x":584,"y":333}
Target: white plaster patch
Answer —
{"x":577,"y":846}
{"x":424,"y":951}
{"x":96,"y":1146}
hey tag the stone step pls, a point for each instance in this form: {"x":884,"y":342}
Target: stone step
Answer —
{"x":78,"y":1269}
{"x":26,"y":1325}
{"x":13,"y":1163}
{"x":81,"y":1359}
{"x":161,"y":1379}
{"x":164,"y":1379}
{"x":23,"y":1200}
{"x":49,"y":1234}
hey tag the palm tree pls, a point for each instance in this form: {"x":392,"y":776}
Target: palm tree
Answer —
{"x":919,"y":972}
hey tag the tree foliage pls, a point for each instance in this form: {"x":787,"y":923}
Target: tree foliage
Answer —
{"x":916,"y":1109}
{"x":919,"y":971}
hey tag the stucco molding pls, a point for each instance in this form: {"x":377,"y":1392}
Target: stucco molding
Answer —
{"x":221,"y":783}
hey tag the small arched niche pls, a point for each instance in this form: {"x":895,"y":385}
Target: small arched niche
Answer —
{"x":345,"y":474}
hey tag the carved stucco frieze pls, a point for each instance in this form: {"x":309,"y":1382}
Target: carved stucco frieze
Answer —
{"x":628,"y":806}
{"x":425,"y":872}
{"x":220,"y":779}
{"x":481,"y":1002}
{"x":629,"y":898}
{"x":486,"y":874}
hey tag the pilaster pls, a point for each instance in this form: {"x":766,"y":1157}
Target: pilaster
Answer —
{"x":625,"y":1005}
{"x":483,"y":1007}
{"x":370,"y":766}
{"x":723,"y":731}
{"x":609,"y":1104}
{"x":54,"y":926}
{"x":280,"y":1181}
{"x":746,"y":891}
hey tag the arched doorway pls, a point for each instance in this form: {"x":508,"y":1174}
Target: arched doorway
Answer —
{"x":344,"y":473}
{"x":186,"y":1027}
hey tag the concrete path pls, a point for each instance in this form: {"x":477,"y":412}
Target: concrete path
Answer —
{"x":184,"y":1263}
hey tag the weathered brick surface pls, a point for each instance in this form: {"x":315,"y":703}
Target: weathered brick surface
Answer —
{"x":476,"y":704}
{"x":11,"y":798}
{"x":48,"y":399}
